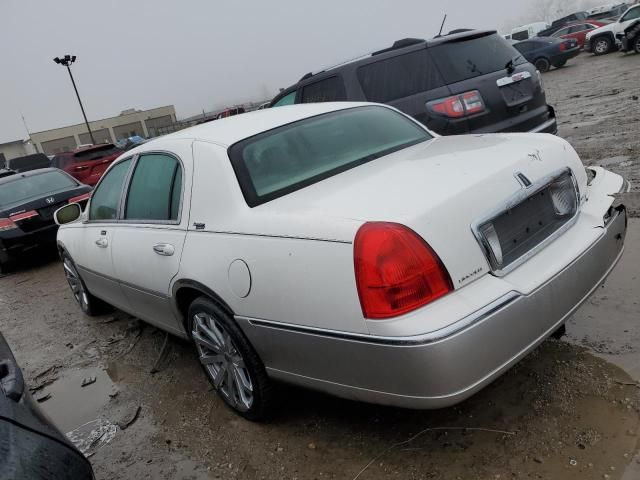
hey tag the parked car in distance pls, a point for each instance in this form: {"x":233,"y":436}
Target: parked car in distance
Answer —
{"x":530,"y":30}
{"x":89,"y":163}
{"x":578,"y":31}
{"x":27,"y":203}
{"x":467,"y":82}
{"x":31,"y":447}
{"x":543,"y":52}
{"x":356,"y":252}
{"x":28,"y":162}
{"x":230,"y":112}
{"x":4,"y":172}
{"x":563,"y":22}
{"x":608,"y":12}
{"x":603,"y":40}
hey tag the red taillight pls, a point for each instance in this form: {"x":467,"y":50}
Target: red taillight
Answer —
{"x":563,"y":47}
{"x":23,"y":216}
{"x":396,"y":271}
{"x":7,"y":224}
{"x":468,"y":103}
{"x":80,"y":198}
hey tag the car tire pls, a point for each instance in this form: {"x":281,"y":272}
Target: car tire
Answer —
{"x":560,"y":64}
{"x":601,"y":45}
{"x":90,"y":305}
{"x":636,"y":44}
{"x":542,"y":64}
{"x":231,"y":364}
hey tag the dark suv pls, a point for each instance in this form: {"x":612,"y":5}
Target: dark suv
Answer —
{"x":471,"y":81}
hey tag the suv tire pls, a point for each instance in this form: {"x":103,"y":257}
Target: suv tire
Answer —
{"x":542,"y":64}
{"x":601,"y":45}
{"x":636,"y":43}
{"x":229,"y":361}
{"x":90,"y":305}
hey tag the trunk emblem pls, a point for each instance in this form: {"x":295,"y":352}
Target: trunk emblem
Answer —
{"x":522,"y":179}
{"x":50,"y":200}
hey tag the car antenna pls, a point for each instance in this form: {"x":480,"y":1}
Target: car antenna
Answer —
{"x":442,"y":26}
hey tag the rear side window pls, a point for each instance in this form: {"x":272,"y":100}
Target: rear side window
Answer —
{"x":399,"y":77}
{"x":328,"y":90}
{"x":465,"y":59}
{"x":155,"y":190}
{"x":96,"y":153}
{"x":291,"y":157}
{"x":525,"y":47}
{"x":106,"y":196}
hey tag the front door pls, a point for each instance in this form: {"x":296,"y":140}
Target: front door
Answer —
{"x":94,"y":258}
{"x":148,"y":244}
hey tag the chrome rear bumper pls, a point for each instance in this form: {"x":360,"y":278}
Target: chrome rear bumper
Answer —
{"x":440,"y":368}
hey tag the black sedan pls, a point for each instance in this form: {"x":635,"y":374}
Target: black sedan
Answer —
{"x":30,"y":446}
{"x":543,"y":52}
{"x":27,"y":203}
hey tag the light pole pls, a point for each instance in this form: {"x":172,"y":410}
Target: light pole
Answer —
{"x":66,"y":61}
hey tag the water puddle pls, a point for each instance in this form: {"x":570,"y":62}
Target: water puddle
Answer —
{"x":72,"y":405}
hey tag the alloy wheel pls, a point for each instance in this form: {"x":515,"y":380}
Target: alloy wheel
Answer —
{"x":222,"y":361}
{"x":77,"y":288}
{"x":602,"y":46}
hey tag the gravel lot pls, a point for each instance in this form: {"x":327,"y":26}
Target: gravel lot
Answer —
{"x":568,"y":411}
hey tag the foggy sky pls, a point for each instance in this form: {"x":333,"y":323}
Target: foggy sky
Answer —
{"x":195,"y":54}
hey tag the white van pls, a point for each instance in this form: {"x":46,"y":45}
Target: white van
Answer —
{"x":525,"y":32}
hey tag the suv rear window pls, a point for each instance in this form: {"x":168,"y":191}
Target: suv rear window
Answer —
{"x":399,"y":77}
{"x":291,"y":157}
{"x":473,"y":57}
{"x":96,"y":153}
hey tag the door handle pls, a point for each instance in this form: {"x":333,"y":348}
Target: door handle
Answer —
{"x":102,"y":242}
{"x":164,"y":249}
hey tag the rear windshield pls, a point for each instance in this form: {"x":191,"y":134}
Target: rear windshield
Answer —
{"x":22,"y":188}
{"x":288,"y":158}
{"x":96,"y":153}
{"x":471,"y":58}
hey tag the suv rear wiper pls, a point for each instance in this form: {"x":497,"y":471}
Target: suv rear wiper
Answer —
{"x":510,"y":65}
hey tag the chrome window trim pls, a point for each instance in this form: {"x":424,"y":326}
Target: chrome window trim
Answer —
{"x":512,"y":202}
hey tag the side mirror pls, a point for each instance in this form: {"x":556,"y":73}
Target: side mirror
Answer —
{"x":67,"y":214}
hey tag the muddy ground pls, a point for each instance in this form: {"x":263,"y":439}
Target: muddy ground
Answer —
{"x":568,"y":411}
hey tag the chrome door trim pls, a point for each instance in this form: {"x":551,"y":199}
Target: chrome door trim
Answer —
{"x":423,"y":339}
{"x":125,"y":284}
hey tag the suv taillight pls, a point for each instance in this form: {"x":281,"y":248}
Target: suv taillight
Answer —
{"x":457,"y":106}
{"x":396,"y":270}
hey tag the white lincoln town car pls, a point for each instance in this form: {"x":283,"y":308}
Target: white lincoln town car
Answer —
{"x":346,"y":248}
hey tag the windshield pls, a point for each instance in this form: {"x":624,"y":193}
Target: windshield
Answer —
{"x":22,"y":188}
{"x":294,"y":156}
{"x":470,"y":58}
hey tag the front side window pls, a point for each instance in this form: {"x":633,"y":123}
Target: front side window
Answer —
{"x":106,"y":197}
{"x":288,"y":99}
{"x":327,"y":90}
{"x":155,"y":189}
{"x":576,"y":29}
{"x":291,"y":157}
{"x":399,"y":77}
{"x":631,"y":15}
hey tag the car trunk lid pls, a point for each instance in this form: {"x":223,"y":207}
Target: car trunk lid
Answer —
{"x":440,"y":189}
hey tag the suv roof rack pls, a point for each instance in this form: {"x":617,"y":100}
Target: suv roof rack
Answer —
{"x":404,"y":42}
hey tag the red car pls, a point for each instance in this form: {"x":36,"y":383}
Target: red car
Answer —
{"x":87,"y":164}
{"x":578,"y":30}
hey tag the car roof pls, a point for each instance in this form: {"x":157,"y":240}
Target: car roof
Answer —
{"x":227,"y":131}
{"x":29,"y":173}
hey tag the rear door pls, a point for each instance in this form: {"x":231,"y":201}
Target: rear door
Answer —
{"x":93,"y":255}
{"x":148,"y":245}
